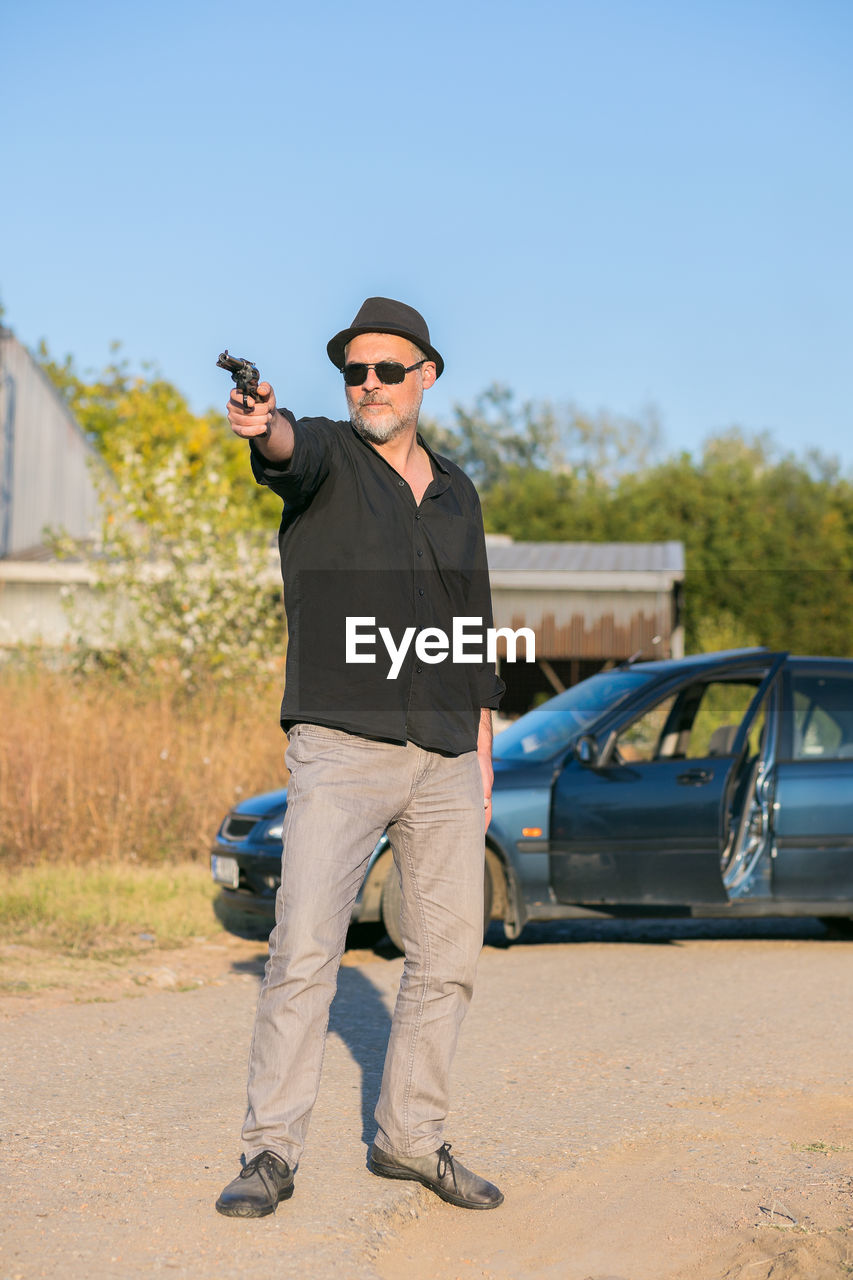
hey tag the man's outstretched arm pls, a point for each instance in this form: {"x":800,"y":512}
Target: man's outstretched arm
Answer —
{"x":270,"y":430}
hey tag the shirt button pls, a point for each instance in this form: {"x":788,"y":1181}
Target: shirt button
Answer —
{"x":419,"y":670}
{"x":417,"y":517}
{"x":401,"y":483}
{"x":420,"y":591}
{"x":420,"y":553}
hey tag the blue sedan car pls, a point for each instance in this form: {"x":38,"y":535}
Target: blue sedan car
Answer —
{"x":714,"y":785}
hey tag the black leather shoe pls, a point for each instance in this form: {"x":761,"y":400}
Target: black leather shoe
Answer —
{"x":441,"y":1173}
{"x":258,"y":1188}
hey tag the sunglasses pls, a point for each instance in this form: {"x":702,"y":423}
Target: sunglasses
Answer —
{"x":388,"y":372}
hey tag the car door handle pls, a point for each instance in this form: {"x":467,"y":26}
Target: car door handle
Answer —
{"x":694,"y":778}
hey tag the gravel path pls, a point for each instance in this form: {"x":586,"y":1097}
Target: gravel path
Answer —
{"x":638,"y":1092}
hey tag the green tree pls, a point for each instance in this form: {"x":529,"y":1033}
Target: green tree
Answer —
{"x":143,"y":417}
{"x":497,"y":437}
{"x":184,"y":564}
{"x":769,"y":540}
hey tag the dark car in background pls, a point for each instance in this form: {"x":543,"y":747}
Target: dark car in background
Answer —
{"x":715,"y":785}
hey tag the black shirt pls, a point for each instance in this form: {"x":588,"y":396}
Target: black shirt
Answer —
{"x":355,"y":545}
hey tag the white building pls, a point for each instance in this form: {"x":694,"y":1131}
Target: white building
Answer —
{"x":46,"y":483}
{"x":45,"y":459}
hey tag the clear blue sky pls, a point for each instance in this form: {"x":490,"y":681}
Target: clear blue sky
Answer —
{"x":616,"y":202}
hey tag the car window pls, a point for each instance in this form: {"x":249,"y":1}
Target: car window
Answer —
{"x":641,"y":739}
{"x":551,"y":727}
{"x":700,"y":721}
{"x":823,"y":717}
{"x":724,"y":705}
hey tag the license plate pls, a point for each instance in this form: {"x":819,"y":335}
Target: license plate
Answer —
{"x":225,"y":870}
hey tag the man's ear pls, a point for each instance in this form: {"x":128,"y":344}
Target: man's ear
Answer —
{"x":428,"y":373}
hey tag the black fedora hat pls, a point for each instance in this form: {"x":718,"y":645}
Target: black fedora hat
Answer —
{"x":384,"y":315}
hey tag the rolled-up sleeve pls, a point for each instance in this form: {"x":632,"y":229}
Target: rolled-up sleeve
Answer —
{"x":301,"y":475}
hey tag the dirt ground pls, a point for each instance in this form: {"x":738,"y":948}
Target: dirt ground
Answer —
{"x":33,"y":977}
{"x":668,"y":1101}
{"x":695,"y":1204}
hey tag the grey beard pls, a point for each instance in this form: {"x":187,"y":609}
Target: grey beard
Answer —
{"x":381,"y":433}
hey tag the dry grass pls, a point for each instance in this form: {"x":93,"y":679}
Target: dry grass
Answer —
{"x":103,"y":909}
{"x":94,"y":768}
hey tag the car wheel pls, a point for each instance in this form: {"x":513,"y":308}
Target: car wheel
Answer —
{"x":391,"y":904}
{"x":838,"y":926}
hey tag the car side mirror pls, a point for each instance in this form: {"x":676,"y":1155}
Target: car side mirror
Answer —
{"x":586,"y":750}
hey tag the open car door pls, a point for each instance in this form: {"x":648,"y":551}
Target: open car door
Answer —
{"x":649,"y":818}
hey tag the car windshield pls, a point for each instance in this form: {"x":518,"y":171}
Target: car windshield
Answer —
{"x":548,"y":728}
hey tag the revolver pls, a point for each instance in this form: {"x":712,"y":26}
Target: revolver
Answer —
{"x":244,"y":374}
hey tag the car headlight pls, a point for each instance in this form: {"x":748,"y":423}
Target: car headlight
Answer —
{"x":275,"y":829}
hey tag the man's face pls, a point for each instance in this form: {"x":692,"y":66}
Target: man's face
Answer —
{"x":380,"y":412}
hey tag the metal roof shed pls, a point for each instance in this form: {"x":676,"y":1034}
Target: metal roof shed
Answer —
{"x":588,"y":604}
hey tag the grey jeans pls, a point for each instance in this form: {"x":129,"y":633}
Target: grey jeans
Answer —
{"x":344,"y":791}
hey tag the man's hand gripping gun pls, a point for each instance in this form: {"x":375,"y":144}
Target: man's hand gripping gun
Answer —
{"x":244,"y":374}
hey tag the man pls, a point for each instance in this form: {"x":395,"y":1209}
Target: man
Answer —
{"x":376,"y":532}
